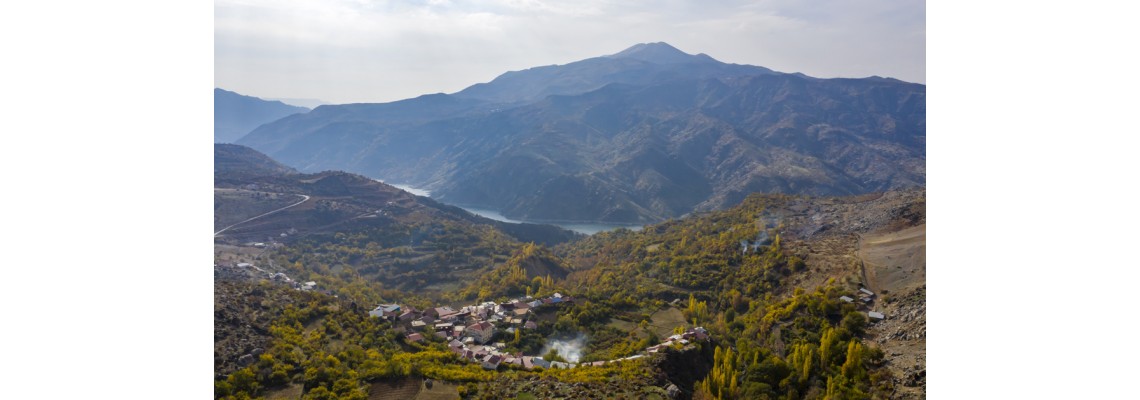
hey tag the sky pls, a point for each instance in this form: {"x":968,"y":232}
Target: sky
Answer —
{"x":353,"y":51}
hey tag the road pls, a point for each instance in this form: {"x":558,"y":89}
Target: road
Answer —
{"x":262,"y":215}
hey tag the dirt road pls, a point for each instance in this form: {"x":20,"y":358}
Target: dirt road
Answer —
{"x":262,"y":215}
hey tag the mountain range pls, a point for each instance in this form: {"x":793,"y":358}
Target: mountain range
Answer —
{"x":642,"y":135}
{"x":235,"y":115}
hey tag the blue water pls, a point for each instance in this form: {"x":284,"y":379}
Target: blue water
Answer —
{"x":588,"y":228}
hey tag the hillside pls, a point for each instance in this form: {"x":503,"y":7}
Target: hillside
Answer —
{"x":644,"y":135}
{"x":235,"y":115}
{"x":236,"y":163}
{"x":347,"y":222}
{"x":765,"y":277}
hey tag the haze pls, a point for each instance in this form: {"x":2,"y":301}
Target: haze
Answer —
{"x":346,"y":51}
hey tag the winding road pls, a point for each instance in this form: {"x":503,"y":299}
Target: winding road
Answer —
{"x":262,"y":215}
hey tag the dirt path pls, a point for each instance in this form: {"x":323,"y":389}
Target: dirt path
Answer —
{"x":306,"y":198}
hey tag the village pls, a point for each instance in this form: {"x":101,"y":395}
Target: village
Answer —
{"x":469,"y":330}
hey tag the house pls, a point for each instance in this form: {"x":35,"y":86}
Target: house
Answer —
{"x":407,"y":315}
{"x":866,"y":292}
{"x":440,"y":312}
{"x":875,"y":316}
{"x":527,"y":363}
{"x":481,"y":332}
{"x":530,"y":325}
{"x":417,"y":324}
{"x":310,"y":285}
{"x":244,"y":265}
{"x":415,"y":337}
{"x":846,"y":299}
{"x":454,"y":343}
{"x":385,"y":311}
{"x":492,"y":362}
{"x":539,"y":362}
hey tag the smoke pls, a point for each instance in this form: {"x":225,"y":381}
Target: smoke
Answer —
{"x":570,"y":349}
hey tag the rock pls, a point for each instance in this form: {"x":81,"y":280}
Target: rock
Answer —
{"x":245,"y":360}
{"x":673,"y":391}
{"x":257,"y":352}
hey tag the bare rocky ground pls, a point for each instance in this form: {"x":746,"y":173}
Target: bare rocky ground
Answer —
{"x":902,"y":336}
{"x":873,"y":241}
{"x":243,"y":312}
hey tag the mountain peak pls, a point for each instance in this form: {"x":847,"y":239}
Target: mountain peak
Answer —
{"x":659,"y":53}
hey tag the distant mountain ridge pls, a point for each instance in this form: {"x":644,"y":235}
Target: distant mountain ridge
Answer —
{"x":642,"y":135}
{"x":235,"y":115}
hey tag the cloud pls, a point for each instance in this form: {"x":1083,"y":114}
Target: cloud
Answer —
{"x":357,"y":50}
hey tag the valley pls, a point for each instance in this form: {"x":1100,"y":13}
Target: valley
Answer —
{"x":708,"y":231}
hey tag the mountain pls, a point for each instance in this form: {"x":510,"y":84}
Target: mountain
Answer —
{"x":236,"y":115}
{"x":639,"y":65}
{"x":643,"y":135}
{"x":235,"y":162}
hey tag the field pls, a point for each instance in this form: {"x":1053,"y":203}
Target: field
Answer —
{"x":663,"y":321}
{"x":401,"y":389}
{"x":291,"y":392}
{"x":439,"y":391}
{"x":895,"y":261}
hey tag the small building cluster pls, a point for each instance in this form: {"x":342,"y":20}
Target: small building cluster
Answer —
{"x":866,"y":300}
{"x":469,"y":329}
{"x":689,"y":336}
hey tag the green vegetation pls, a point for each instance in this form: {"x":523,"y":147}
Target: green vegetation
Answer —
{"x":333,"y":350}
{"x":805,"y":346}
{"x":770,"y":340}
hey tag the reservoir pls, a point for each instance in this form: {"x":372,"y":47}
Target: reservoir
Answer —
{"x":588,"y":228}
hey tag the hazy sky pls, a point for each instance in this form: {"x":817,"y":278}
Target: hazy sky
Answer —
{"x":344,"y":51}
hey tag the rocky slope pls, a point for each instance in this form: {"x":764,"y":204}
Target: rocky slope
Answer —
{"x":639,"y":136}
